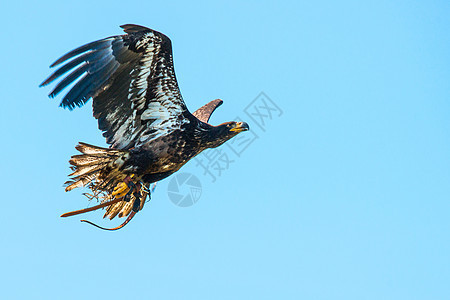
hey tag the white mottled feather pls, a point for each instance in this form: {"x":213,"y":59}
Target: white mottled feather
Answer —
{"x":132,"y":82}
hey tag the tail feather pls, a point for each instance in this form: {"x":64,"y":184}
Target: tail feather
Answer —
{"x":88,"y":169}
{"x":95,"y":166}
{"x":100,"y":170}
{"x":91,"y":149}
{"x":71,"y":184}
{"x":83,"y":159}
{"x":113,"y":210}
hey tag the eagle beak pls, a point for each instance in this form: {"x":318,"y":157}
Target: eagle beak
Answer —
{"x":240,"y":126}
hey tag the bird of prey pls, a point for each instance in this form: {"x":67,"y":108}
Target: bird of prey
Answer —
{"x":138,"y":105}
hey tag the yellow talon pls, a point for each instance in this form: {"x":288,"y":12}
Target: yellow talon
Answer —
{"x":122,"y":188}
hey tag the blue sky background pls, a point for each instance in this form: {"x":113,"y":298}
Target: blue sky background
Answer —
{"x":343,"y":196}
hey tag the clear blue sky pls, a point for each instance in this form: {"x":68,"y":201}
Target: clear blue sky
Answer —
{"x":343,"y":196}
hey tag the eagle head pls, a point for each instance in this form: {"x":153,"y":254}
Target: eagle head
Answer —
{"x":223,"y":132}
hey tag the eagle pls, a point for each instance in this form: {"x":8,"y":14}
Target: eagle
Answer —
{"x":139,"y":107}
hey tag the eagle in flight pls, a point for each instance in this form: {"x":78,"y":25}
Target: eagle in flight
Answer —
{"x":144,"y":119}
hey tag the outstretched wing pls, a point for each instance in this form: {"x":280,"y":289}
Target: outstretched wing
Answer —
{"x":132,"y":82}
{"x":205,"y":112}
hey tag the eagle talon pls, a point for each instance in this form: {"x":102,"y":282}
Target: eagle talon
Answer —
{"x":125,"y":188}
{"x":120,"y":190}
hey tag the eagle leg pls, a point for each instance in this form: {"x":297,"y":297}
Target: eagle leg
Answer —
{"x":125,"y":188}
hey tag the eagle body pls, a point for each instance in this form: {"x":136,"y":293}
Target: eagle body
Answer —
{"x":141,"y":112}
{"x":167,"y":154}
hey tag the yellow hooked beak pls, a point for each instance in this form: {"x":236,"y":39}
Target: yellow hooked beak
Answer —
{"x":240,"y":126}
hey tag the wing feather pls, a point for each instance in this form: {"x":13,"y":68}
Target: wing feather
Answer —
{"x":205,"y":112}
{"x":94,"y":46}
{"x":132,"y":82}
